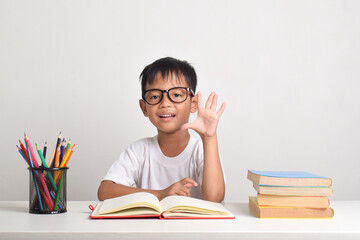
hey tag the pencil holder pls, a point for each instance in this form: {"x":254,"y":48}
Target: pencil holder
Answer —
{"x":47,"y":190}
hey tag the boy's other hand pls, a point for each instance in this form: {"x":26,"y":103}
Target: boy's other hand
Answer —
{"x":181,"y":188}
{"x":207,"y":119}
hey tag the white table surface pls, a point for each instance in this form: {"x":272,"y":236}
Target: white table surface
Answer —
{"x":17,"y":223}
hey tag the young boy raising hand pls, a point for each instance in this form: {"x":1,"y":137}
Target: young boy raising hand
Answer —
{"x":173,"y":162}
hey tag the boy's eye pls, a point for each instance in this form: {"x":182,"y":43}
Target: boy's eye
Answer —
{"x":154,"y":97}
{"x":176,"y":95}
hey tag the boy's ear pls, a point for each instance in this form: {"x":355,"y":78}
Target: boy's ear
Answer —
{"x":194,"y":103}
{"x":143,"y":107}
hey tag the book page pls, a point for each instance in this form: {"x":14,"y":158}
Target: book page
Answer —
{"x":192,"y":205}
{"x":136,"y":211}
{"x":140,"y":199}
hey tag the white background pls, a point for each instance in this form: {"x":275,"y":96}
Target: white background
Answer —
{"x":288,"y":70}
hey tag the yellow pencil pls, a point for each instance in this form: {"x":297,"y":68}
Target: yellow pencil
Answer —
{"x":68,"y":158}
{"x":65,"y":162}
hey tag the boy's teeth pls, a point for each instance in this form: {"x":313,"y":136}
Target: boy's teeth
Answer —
{"x":167,"y":115}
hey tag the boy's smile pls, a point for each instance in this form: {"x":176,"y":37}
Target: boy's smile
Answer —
{"x":168,"y":116}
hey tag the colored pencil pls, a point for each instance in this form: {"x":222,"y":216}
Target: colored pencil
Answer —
{"x":39,"y":173}
{"x":56,"y":164}
{"x":24,"y":152}
{"x":65,"y":162}
{"x":33,"y":157}
{"x":45,"y":150}
{"x":61,"y":204}
{"x":45,"y":165}
{"x":57,"y":157}
{"x":68,"y":145}
{"x":35,"y":177}
{"x":67,"y":157}
{"x":57,"y":145}
{"x":62,"y":151}
{"x":28,"y":154}
{"x":52,"y":157}
{"x":58,"y":192}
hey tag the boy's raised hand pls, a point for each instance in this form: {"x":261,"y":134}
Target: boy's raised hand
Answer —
{"x":207,"y":119}
{"x":181,"y":188}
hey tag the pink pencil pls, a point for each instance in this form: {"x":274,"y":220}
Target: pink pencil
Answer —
{"x":31,"y":152}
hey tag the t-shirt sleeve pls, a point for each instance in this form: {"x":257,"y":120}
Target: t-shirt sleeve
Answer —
{"x":125,"y":170}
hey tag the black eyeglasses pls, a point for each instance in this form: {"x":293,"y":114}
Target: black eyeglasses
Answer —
{"x":176,"y":95}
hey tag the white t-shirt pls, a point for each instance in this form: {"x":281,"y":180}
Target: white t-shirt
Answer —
{"x":143,"y":165}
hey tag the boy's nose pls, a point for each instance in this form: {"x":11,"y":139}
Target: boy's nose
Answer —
{"x":165,"y":101}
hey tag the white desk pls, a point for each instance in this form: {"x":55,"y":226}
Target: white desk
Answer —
{"x":17,"y":223}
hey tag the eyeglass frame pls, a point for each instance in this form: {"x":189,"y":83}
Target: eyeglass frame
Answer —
{"x":188,"y":90}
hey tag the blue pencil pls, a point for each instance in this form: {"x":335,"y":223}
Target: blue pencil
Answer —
{"x":54,"y":197}
{"x":21,"y":152}
{"x":62,"y":151}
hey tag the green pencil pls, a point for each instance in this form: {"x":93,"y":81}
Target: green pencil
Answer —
{"x":67,"y":146}
{"x":58,"y":192}
{"x":45,"y":165}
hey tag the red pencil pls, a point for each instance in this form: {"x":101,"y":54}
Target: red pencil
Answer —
{"x":23,"y":149}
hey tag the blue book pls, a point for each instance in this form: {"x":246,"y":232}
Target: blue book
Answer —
{"x":288,"y":178}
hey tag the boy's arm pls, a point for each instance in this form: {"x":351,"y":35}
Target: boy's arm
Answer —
{"x":213,"y":185}
{"x":109,"y":189}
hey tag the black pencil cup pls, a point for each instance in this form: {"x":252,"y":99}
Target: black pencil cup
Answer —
{"x":47,"y":190}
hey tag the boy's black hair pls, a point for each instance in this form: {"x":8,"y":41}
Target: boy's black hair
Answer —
{"x":166,"y":66}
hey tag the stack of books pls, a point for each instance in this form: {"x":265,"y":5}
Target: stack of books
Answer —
{"x":290,"y":195}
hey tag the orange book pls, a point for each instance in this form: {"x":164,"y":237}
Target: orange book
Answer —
{"x":288,"y":212}
{"x":147,"y":205}
{"x":293,"y":201}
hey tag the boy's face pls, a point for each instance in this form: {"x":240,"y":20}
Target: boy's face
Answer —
{"x":168,"y":116}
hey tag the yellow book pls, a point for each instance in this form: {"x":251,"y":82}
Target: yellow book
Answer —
{"x":143,"y":204}
{"x":288,"y":212}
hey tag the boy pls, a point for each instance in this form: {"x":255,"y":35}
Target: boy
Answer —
{"x":173,"y":162}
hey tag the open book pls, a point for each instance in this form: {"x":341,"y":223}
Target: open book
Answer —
{"x":143,"y":204}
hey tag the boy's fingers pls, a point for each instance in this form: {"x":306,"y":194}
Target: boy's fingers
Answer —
{"x":186,"y":126}
{"x":186,"y":191}
{"x":221,"y":110}
{"x":210,"y":100}
{"x":188,"y":180}
{"x":214,"y":102}
{"x":182,"y":192}
{"x":188,"y":185}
